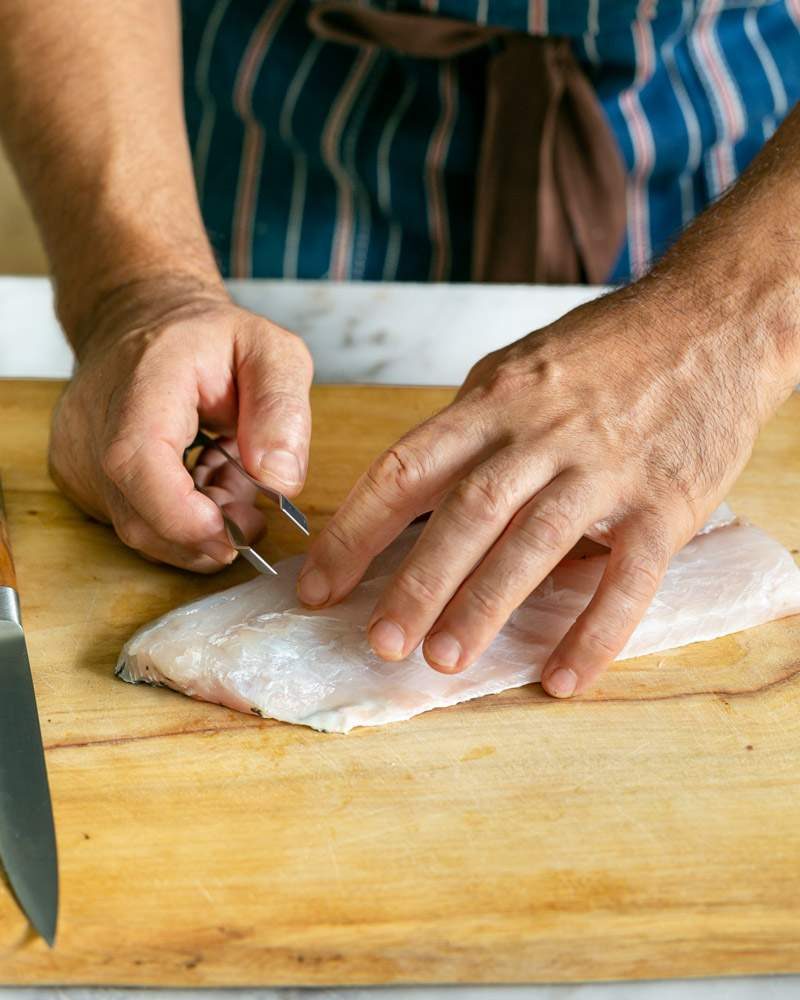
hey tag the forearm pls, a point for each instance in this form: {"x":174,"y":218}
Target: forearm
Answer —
{"x":91,"y":113}
{"x":740,"y":260}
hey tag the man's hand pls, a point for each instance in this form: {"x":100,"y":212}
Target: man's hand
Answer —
{"x":626,"y":421}
{"x":152,"y":369}
{"x":97,"y":134}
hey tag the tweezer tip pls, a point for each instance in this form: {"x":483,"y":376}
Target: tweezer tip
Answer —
{"x":294,"y":515}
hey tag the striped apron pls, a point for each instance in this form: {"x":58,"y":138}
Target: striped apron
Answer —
{"x":323,"y":156}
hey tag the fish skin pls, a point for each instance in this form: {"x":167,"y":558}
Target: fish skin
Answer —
{"x":255,"y":649}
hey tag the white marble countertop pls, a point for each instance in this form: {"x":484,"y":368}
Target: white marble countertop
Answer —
{"x":392,"y":334}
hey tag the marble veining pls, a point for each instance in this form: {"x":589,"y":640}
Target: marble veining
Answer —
{"x":398,"y":334}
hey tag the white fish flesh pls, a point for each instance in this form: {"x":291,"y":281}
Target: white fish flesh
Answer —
{"x":254,"y":648}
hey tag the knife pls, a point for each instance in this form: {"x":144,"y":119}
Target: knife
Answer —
{"x":27,"y":835}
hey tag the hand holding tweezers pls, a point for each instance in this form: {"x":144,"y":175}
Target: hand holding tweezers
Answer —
{"x":235,"y":536}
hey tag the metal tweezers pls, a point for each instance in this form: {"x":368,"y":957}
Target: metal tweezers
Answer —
{"x":234,"y":532}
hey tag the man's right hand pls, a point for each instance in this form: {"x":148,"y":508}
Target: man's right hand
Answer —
{"x":97,"y":135}
{"x":152,"y":368}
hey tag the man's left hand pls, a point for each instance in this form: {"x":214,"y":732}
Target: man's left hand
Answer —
{"x":626,"y":421}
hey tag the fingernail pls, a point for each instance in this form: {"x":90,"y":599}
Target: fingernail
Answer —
{"x":313,"y":588}
{"x":281,"y":465}
{"x":219,"y":551}
{"x":387,"y":639}
{"x":442,"y":650}
{"x":561,"y":683}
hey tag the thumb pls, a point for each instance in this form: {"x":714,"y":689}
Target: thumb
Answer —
{"x":273,"y":376}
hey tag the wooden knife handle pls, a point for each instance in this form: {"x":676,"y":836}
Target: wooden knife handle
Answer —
{"x":8,"y":576}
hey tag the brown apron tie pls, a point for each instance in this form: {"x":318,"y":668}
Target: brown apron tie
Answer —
{"x":550,"y":188}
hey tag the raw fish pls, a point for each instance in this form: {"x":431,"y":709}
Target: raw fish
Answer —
{"x":255,"y":649}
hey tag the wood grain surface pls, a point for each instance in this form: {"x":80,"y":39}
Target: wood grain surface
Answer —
{"x":649,"y":829}
{"x":8,"y":576}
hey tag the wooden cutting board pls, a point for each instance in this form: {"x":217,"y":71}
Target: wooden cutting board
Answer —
{"x":649,"y":829}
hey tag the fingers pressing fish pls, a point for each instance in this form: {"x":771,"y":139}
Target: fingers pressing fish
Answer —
{"x":254,"y":648}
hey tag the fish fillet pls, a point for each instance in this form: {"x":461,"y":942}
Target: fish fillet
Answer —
{"x":255,"y":649}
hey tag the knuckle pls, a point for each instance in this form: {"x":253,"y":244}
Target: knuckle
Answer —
{"x":638,"y":576}
{"x":132,"y":531}
{"x":342,"y":538}
{"x":482,"y":500}
{"x":291,"y":407}
{"x":506,"y":381}
{"x":601,"y":643}
{"x":264,"y":341}
{"x":117,"y":459}
{"x":549,"y":524}
{"x":515,"y":374}
{"x":171,"y":529}
{"x":420,"y":587}
{"x":541,"y":532}
{"x":198,"y":523}
{"x":487,"y":601}
{"x":396,"y":474}
{"x":482,"y":369}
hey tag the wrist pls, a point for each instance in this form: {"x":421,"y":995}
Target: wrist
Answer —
{"x":136,"y":303}
{"x":120,"y":264}
{"x":109,"y":247}
{"x":735,"y":291}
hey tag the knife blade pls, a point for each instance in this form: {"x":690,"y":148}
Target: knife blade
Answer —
{"x":27,"y":834}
